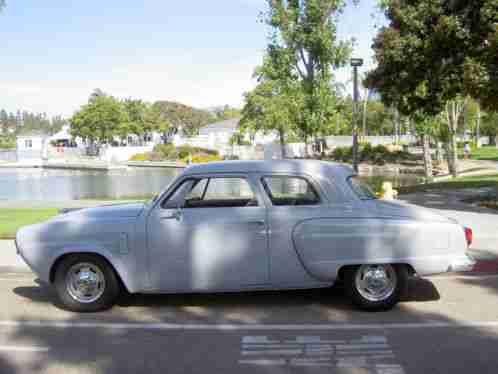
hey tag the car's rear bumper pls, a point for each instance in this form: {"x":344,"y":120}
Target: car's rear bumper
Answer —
{"x":462,"y":263}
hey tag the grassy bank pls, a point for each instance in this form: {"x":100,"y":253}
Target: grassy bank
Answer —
{"x":125,"y":199}
{"x":485,"y":153}
{"x":477,"y":181}
{"x":13,"y":219}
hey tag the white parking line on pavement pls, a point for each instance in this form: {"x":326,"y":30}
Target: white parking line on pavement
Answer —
{"x":244,"y":327}
{"x":14,"y":348}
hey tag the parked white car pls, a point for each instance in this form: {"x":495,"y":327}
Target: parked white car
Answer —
{"x":236,"y":226}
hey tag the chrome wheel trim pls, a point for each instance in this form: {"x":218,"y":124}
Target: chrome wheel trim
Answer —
{"x":85,"y":282}
{"x":376,"y":282}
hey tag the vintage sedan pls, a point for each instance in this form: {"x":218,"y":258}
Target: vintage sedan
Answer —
{"x":237,"y":226}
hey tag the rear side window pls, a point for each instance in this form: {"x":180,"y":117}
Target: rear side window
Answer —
{"x":288,"y":190}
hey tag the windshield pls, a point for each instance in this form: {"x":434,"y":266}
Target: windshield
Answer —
{"x":361,"y":188}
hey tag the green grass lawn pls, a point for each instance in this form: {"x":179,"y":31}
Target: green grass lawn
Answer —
{"x":12,"y":219}
{"x":477,"y":181}
{"x":488,"y":153}
{"x":131,"y":198}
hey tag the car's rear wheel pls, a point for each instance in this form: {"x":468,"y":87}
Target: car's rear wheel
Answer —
{"x":376,"y":287}
{"x":86,"y":283}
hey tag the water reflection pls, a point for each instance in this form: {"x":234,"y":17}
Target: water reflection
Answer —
{"x":55,"y":184}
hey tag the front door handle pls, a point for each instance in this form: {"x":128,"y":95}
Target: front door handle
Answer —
{"x":175,"y":215}
{"x":258,"y":222}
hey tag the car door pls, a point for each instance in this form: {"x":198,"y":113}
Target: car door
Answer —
{"x":291,"y":199}
{"x":209,"y":234}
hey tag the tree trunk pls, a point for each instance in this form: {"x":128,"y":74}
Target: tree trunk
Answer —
{"x":453,"y":111}
{"x":396,"y":126}
{"x":447,"y":154}
{"x":427,"y":157}
{"x":281,"y":135}
{"x":478,"y":126}
{"x":306,"y":153}
{"x":439,"y":153}
{"x":365,"y":107}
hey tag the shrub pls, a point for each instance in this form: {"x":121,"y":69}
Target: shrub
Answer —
{"x":166,"y":151}
{"x":140,"y":157}
{"x":343,"y":154}
{"x":186,"y":150}
{"x":198,"y":159}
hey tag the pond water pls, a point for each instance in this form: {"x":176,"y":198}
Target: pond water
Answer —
{"x":58,"y":184}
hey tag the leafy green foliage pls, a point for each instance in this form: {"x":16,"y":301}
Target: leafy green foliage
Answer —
{"x":269,"y":107}
{"x":302,"y":51}
{"x":168,"y":152}
{"x":200,"y":159}
{"x":7,"y":142}
{"x":99,"y":120}
{"x":226,"y":112}
{"x":141,"y":157}
{"x":177,"y":115}
{"x":24,"y":121}
{"x":378,"y":155}
{"x":435,"y":51}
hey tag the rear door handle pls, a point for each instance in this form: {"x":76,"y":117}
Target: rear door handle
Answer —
{"x":259,"y":223}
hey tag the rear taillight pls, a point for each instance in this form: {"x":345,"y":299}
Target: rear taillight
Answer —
{"x":468,"y":235}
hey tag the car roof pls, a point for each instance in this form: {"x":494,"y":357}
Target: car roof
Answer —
{"x":310,"y":167}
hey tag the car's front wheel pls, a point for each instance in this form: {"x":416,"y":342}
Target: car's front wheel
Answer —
{"x":376,"y":287}
{"x":86,"y":283}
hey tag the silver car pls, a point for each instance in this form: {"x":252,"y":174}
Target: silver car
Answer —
{"x":237,"y":226}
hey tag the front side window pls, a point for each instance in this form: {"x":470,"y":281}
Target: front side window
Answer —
{"x":213,"y":193}
{"x":287,"y":190}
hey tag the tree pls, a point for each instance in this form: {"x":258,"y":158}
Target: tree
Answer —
{"x":135,"y":120}
{"x":154,"y":121}
{"x":268,"y":108}
{"x":429,"y":58}
{"x":302,"y":49}
{"x":227,"y":112}
{"x":2,"y":4}
{"x":99,"y":120}
{"x":184,"y":117}
{"x":489,"y":126}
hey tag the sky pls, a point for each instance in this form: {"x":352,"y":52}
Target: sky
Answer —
{"x":201,"y":53}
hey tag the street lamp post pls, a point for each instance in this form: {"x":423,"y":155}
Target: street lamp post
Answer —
{"x":355,"y":63}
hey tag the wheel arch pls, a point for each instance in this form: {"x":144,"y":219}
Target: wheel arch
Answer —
{"x":342,"y":269}
{"x":63,"y":256}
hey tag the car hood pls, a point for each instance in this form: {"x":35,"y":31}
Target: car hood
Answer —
{"x":398,"y":209}
{"x":106,"y":211}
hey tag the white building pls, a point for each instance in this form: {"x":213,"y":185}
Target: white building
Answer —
{"x":222,"y":132}
{"x":30,"y":146}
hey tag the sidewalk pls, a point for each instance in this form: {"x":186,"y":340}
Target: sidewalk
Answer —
{"x":9,"y":260}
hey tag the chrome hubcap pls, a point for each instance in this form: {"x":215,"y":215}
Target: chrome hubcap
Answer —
{"x":376,"y":282}
{"x":85,"y":282}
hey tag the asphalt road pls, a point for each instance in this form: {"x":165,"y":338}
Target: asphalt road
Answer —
{"x":446,"y":325}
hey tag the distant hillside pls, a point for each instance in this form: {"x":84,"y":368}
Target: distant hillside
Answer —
{"x":191,"y":119}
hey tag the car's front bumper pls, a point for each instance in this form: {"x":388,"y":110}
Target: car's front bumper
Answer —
{"x":461,"y":264}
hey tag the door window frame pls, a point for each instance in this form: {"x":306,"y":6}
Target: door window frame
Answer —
{"x":168,"y":194}
{"x":314,"y":185}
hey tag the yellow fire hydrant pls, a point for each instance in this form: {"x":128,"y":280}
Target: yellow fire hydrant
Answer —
{"x":388,"y":192}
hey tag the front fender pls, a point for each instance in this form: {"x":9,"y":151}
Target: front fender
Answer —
{"x":42,"y":245}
